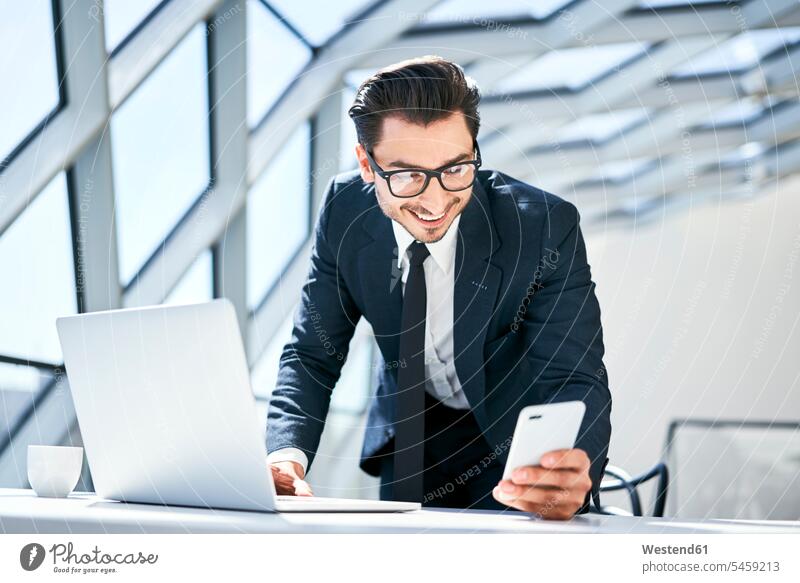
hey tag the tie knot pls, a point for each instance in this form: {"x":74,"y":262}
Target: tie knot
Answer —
{"x":418,"y":252}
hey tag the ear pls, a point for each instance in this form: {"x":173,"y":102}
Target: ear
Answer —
{"x":367,"y":175}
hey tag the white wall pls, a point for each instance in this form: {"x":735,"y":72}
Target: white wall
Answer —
{"x":700,"y":315}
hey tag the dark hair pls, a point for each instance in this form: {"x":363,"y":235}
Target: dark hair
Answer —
{"x":420,"y":91}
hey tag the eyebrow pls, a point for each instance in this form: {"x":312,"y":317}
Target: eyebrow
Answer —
{"x":403,"y":164}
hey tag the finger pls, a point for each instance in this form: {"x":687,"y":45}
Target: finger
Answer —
{"x":283,"y":482}
{"x":301,"y":488}
{"x":558,"y":478}
{"x":290,"y":469}
{"x":284,"y":486}
{"x":551,"y":512}
{"x":513,"y":502}
{"x":575,"y":458}
{"x":550,"y":496}
{"x":538,"y":510}
{"x":533,"y":493}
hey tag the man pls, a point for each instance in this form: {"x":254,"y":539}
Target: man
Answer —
{"x":480,"y":298}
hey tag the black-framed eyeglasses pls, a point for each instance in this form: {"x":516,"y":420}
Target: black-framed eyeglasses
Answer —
{"x":408,"y":182}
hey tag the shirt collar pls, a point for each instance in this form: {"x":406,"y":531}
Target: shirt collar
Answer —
{"x":443,"y":251}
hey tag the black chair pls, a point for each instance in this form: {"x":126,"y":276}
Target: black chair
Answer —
{"x":621,"y":480}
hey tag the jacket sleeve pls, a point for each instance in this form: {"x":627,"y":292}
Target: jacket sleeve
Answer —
{"x":564,"y":336}
{"x":312,"y":360}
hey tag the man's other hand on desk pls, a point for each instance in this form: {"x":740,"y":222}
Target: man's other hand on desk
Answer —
{"x":288,"y":478}
{"x":554,"y":490}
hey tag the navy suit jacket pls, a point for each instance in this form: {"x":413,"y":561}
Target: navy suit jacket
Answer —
{"x":526,"y":320}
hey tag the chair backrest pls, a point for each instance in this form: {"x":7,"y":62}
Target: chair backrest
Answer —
{"x":733,"y":469}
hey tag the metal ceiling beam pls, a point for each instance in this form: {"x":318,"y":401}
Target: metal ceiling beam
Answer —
{"x":583,"y":20}
{"x":662,"y":137}
{"x":552,"y":112}
{"x":501,"y":46}
{"x":556,"y":108}
{"x":777,"y":74}
{"x":746,"y":179}
{"x":702,"y":172}
{"x":662,"y":92}
{"x":708,"y":94}
{"x":635,"y":25}
{"x":488,"y":72}
{"x":541,"y":114}
{"x":667,"y":175}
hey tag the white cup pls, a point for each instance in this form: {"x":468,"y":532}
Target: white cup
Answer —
{"x":53,"y":471}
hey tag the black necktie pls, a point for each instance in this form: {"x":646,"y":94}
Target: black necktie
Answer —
{"x":410,"y":412}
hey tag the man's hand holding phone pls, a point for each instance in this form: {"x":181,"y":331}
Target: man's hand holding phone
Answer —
{"x":545,"y":473}
{"x":553,"y":490}
{"x":288,"y":478}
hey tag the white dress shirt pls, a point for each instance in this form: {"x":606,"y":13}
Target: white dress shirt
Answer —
{"x":440,"y":371}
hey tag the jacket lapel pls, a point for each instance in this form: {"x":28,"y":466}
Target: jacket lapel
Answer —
{"x":474,"y":295}
{"x":382,"y":287}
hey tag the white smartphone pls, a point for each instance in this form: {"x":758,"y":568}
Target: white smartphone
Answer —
{"x":543,"y":428}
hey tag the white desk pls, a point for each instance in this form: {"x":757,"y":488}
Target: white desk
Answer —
{"x":22,"y":512}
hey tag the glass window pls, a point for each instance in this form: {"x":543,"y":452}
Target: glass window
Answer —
{"x":39,"y":281}
{"x":18,"y":386}
{"x":160,"y":148}
{"x":265,"y":372}
{"x":570,"y":68}
{"x":355,"y":383}
{"x":745,"y":152}
{"x":319,"y":24}
{"x":28,"y":65}
{"x":122,"y":16}
{"x":197,"y":284}
{"x":478,"y":12}
{"x":355,"y":77}
{"x":738,"y":53}
{"x":45,"y":425}
{"x":275,"y":57}
{"x":278,"y":215}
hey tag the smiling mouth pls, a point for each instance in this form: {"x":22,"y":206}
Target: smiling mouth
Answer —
{"x":431,"y":221}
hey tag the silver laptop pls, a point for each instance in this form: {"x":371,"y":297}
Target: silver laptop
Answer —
{"x":167,"y":414}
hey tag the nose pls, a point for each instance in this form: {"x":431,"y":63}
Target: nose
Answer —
{"x":434,"y":198}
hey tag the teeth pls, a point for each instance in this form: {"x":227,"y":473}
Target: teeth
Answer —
{"x":430,"y":218}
